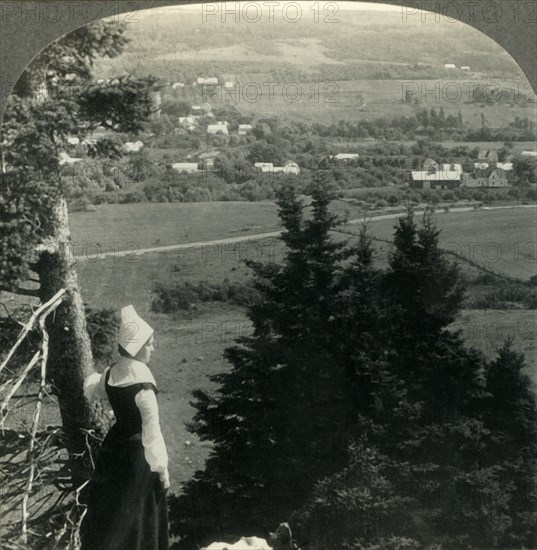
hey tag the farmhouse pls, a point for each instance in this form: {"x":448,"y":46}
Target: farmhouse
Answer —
{"x":499,"y":174}
{"x":452,"y":167}
{"x":188,"y":167}
{"x":265,"y":166}
{"x":529,"y":153}
{"x":201,"y":81}
{"x":449,"y":66}
{"x":438,"y":179}
{"x":465,"y":68}
{"x":66,"y":159}
{"x":290,"y":168}
{"x":177,"y":85}
{"x":346,"y":156}
{"x":133,"y":146}
{"x":219,"y":127}
{"x":188,"y":122}
{"x":244,"y":129}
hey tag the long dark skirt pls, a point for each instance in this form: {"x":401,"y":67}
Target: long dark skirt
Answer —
{"x":126,"y":504}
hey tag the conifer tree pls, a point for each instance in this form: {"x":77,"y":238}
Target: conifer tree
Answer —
{"x":56,"y":99}
{"x":276,"y":421}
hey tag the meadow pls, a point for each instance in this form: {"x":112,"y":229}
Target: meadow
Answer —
{"x":354,"y":70}
{"x":190,"y":343}
{"x":325,"y":101}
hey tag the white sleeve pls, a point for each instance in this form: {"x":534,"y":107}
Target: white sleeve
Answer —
{"x":94,"y":387}
{"x":152,"y":440}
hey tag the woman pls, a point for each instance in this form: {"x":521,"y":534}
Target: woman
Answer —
{"x":126,"y":503}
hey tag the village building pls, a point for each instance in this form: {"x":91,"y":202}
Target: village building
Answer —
{"x":187,"y":167}
{"x":529,"y":153}
{"x":133,"y":146}
{"x":66,"y":159}
{"x":244,"y":129}
{"x":188,"y":122}
{"x":219,"y":127}
{"x":465,"y":68}
{"x":346,"y":156}
{"x":451,"y":167}
{"x":204,"y":81}
{"x":265,"y":166}
{"x":289,"y":168}
{"x":497,"y":174}
{"x":449,"y":66}
{"x":438,"y":179}
{"x":177,"y":85}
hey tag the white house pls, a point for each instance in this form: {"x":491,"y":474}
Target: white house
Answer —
{"x":188,"y":122}
{"x":289,"y":168}
{"x":346,"y":156}
{"x":529,"y":153}
{"x":265,"y":166}
{"x":188,"y":119}
{"x":449,"y":66}
{"x":499,"y":174}
{"x":498,"y":178}
{"x":218,"y":127}
{"x":244,"y":129}
{"x":453,"y":167}
{"x":439,"y":179}
{"x":204,"y":81}
{"x":465,"y":68}
{"x":188,"y":167}
{"x":133,"y":146}
{"x":177,"y":85}
{"x":66,"y":159}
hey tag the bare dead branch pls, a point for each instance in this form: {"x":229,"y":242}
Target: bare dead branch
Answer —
{"x":17,"y":385}
{"x":37,"y":415}
{"x":45,"y":309}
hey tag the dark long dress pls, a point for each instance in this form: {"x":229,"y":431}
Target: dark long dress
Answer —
{"x":126,"y":503}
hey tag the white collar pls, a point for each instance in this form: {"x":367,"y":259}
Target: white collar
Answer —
{"x":129,"y":371}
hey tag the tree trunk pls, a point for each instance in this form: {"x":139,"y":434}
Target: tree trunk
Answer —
{"x":70,"y":358}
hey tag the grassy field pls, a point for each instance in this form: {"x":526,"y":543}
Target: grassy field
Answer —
{"x":190,"y":344}
{"x":327,"y":101}
{"x":149,"y":224}
{"x":503,"y":240}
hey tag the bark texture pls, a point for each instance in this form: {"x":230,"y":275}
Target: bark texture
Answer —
{"x":70,"y":357}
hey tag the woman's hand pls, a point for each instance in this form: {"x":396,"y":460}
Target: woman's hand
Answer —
{"x":165,"y":479}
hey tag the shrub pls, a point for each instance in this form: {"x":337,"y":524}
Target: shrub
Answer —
{"x":80,"y":204}
{"x":381,"y":203}
{"x":359,"y":507}
{"x":185,"y":294}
